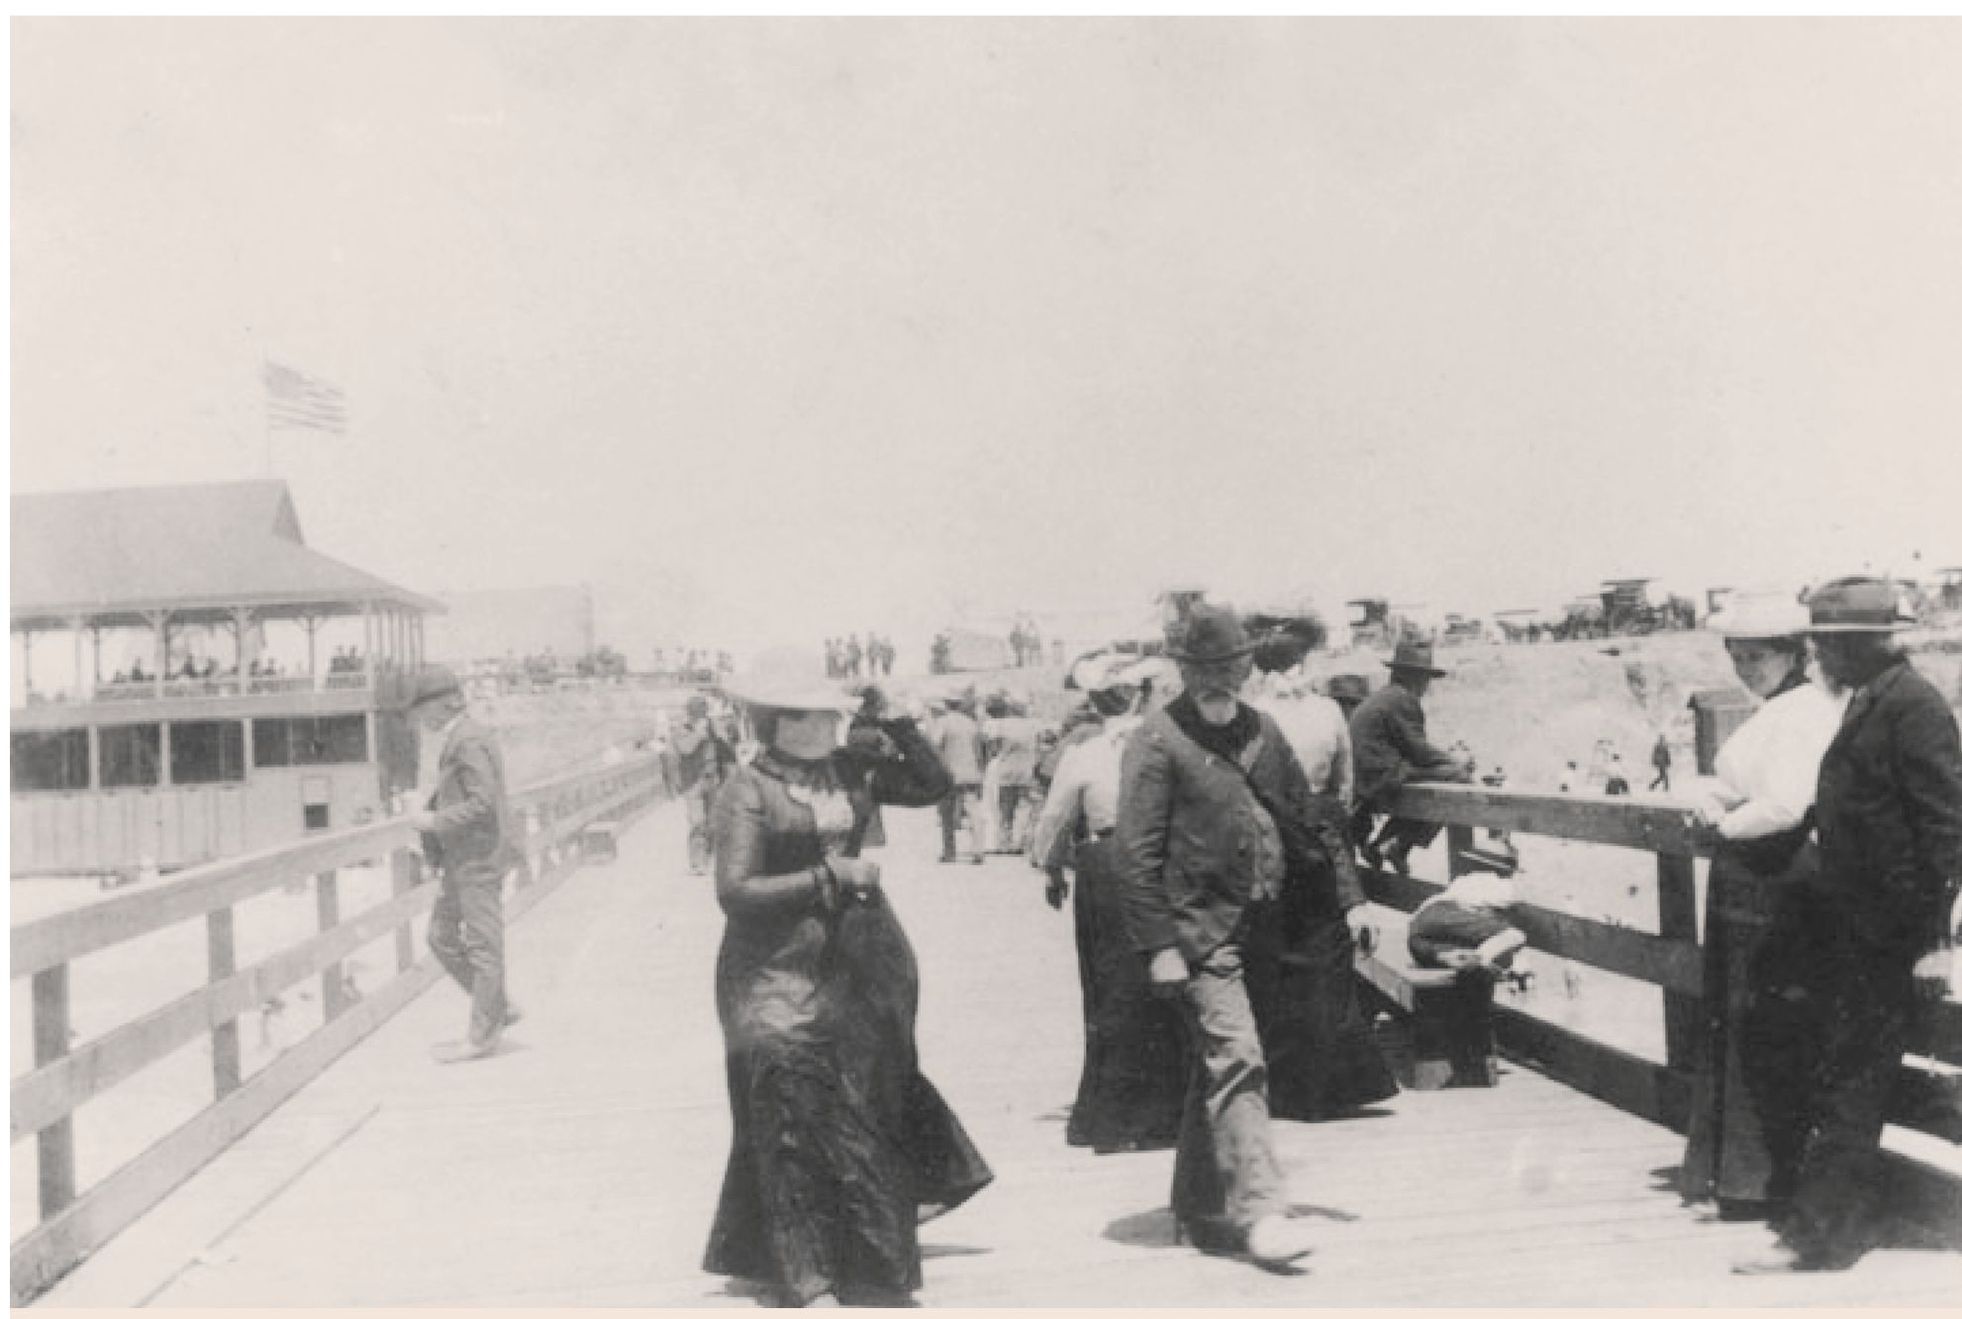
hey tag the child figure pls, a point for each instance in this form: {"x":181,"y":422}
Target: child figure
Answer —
{"x":1464,"y":928}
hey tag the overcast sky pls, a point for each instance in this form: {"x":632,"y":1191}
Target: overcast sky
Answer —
{"x":772,"y":329}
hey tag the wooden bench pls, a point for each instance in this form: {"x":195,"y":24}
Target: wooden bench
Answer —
{"x":1440,"y":1023}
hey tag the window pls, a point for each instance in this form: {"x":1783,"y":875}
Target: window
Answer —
{"x":340,"y":739}
{"x":316,"y":816}
{"x":52,"y":762}
{"x":207,"y":752}
{"x":132,"y":756}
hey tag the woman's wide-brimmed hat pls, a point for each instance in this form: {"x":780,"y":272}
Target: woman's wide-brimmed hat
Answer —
{"x":790,"y":679}
{"x":1761,"y":618}
{"x":1417,"y":657}
{"x":1208,"y":634}
{"x":1857,"y":605}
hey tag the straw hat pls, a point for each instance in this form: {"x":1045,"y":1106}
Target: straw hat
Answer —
{"x":1760,"y":618}
{"x":790,"y":679}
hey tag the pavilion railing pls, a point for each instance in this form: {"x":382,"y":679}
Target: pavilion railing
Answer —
{"x":66,"y":1075}
{"x":1928,"y":1092}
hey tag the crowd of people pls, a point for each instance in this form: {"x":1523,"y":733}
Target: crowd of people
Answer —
{"x":1213,"y":847}
{"x":847,"y":658}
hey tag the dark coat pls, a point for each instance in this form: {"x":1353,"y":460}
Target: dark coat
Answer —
{"x":1391,"y":748}
{"x":1890,"y":811}
{"x":473,"y":815}
{"x":1187,"y":834}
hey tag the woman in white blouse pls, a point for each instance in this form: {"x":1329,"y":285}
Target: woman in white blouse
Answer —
{"x":1759,"y":809}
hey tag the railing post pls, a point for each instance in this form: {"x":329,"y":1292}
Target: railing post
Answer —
{"x":333,"y":989}
{"x":56,"y":1141}
{"x":1682,"y":1014}
{"x":1458,"y":837}
{"x":402,"y":874}
{"x":221,"y":962}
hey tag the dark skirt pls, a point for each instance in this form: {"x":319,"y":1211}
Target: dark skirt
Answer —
{"x":1322,"y":1059}
{"x":1725,"y":1158}
{"x":840,"y":1147}
{"x":1133,"y":1082}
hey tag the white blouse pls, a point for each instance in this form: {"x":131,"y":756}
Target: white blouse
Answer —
{"x":1769,"y":768}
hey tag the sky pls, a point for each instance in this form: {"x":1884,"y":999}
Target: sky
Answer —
{"x":776,"y":329}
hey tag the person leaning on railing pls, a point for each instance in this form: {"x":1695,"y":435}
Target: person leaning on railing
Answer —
{"x":1851,"y":951}
{"x":1759,"y":809}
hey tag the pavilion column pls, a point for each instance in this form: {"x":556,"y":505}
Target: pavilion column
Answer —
{"x":27,"y":660}
{"x":95,"y":669}
{"x":311,"y":623}
{"x":159,"y":620}
{"x":368,"y":635}
{"x":241,"y":623}
{"x":76,"y":626}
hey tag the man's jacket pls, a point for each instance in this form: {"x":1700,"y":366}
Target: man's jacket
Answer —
{"x":473,"y":816}
{"x":1890,"y":811}
{"x":1390,"y":745}
{"x":1188,"y":836}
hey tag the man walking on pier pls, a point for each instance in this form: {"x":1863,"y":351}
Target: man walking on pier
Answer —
{"x":466,"y":836}
{"x":1210,"y":787}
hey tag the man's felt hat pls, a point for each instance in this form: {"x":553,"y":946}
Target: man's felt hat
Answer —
{"x":433,"y":681}
{"x":1209,"y":634}
{"x":1416,"y":656}
{"x":1859,"y":604}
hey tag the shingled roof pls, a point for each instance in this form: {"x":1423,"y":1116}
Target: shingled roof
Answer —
{"x":182,"y":547}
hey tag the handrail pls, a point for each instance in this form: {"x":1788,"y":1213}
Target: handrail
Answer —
{"x":1670,"y":959}
{"x":44,"y":1100}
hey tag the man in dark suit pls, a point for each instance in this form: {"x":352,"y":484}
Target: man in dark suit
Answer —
{"x":1215,"y":820}
{"x":1392,"y":749}
{"x":467,"y":836}
{"x":1850,"y":951}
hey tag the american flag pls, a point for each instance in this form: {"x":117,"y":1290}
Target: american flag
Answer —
{"x":296,"y":399}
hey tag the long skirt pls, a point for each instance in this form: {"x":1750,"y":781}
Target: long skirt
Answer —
{"x":1322,"y":1059}
{"x":1133,"y":1081}
{"x":841,"y":1147}
{"x":1725,"y":1158}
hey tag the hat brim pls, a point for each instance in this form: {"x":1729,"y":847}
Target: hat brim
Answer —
{"x":803,"y":697}
{"x":1418,"y":668}
{"x":1814,"y":629}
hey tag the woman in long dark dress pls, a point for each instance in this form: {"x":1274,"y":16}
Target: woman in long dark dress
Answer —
{"x":1767,"y":774}
{"x":841,"y":1147}
{"x":1130,"y":1094}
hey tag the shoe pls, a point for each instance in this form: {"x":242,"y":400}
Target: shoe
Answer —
{"x":462,"y":1051}
{"x":1276,"y":1241}
{"x":1775,"y":1258}
{"x":946,"y":857}
{"x":977,"y":858}
{"x":513,"y":1014}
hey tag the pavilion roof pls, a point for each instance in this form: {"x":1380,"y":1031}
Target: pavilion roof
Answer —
{"x":179,"y":547}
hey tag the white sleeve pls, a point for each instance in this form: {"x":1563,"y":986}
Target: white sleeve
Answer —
{"x":1059,"y":811}
{"x":1789,"y":778}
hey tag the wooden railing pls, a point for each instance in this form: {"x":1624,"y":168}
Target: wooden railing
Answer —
{"x":1928,"y":1100}
{"x":44,"y":1100}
